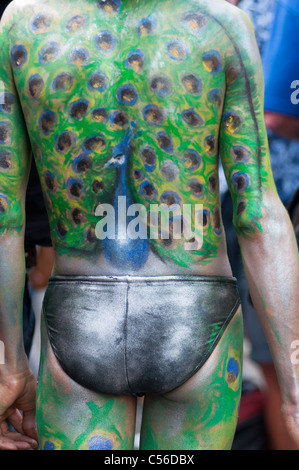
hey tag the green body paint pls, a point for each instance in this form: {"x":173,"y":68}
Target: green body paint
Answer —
{"x":204,"y":415}
{"x":182,"y":76}
{"x":83,"y":78}
{"x":72,"y":418}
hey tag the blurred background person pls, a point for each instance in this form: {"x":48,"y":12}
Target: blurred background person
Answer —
{"x":281,"y":70}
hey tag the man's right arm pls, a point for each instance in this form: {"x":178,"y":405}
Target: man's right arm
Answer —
{"x":17,"y":383}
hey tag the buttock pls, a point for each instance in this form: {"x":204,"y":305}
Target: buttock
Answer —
{"x":128,"y":335}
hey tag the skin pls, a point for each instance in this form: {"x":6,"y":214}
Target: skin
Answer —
{"x":109,"y":114}
{"x":42,"y":270}
{"x":282,"y":125}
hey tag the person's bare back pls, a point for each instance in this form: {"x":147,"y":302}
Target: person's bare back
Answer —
{"x":127,"y":106}
{"x":152,"y":79}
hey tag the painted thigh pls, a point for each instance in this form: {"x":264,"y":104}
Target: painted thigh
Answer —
{"x":70,"y":417}
{"x":201,"y":414}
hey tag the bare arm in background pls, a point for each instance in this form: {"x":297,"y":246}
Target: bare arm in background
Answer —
{"x":282,"y":125}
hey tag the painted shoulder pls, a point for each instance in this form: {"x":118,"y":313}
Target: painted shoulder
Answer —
{"x":238,"y":24}
{"x":238,"y":27}
{"x":233,"y":20}
{"x":225,"y":12}
{"x":16,"y":11}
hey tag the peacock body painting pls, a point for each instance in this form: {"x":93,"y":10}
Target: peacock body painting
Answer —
{"x":119,"y":248}
{"x":85,"y":77}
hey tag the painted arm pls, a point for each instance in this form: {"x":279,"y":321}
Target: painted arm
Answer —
{"x":17,"y":383}
{"x":264,"y":230}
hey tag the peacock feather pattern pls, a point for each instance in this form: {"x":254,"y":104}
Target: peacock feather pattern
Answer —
{"x":83,"y":85}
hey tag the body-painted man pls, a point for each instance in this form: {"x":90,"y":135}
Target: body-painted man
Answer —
{"x":126,"y":105}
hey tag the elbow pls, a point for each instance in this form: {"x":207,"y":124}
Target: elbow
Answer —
{"x":249,"y":228}
{"x":247,"y":219}
{"x":270,"y":220}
